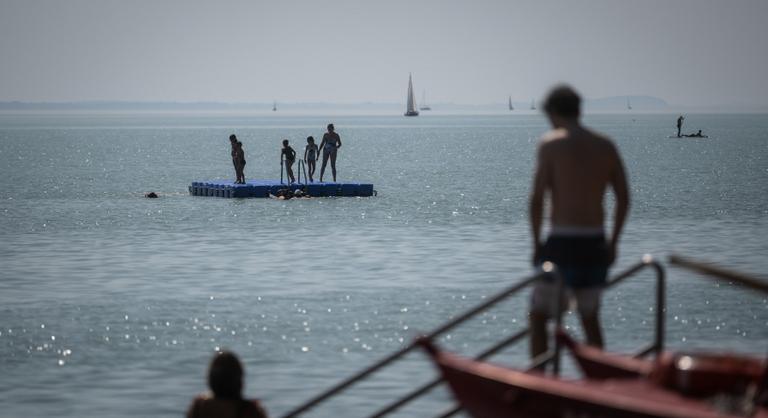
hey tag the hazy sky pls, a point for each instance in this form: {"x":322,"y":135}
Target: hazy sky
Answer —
{"x":698,"y":52}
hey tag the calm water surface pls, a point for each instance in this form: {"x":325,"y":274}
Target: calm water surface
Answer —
{"x":112,"y":304}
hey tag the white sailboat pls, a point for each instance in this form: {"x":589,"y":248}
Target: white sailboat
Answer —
{"x":411,"y":106}
{"x":424,"y":105}
{"x":274,"y":106}
{"x":533,"y":105}
{"x":629,"y":106}
{"x":510,"y":104}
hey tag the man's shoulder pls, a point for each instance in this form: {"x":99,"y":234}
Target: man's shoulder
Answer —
{"x":563,"y":141}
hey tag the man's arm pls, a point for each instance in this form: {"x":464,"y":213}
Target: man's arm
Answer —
{"x":536,"y":208}
{"x":621,"y":190}
{"x":338,"y":142}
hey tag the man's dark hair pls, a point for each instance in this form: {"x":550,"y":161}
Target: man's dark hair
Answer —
{"x":225,"y":376}
{"x":232,"y":137}
{"x":330,"y":127}
{"x":563,"y":101}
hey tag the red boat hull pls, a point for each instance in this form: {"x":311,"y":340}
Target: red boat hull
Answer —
{"x":489,"y":391}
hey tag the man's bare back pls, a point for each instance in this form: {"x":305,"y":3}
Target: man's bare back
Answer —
{"x":575,"y":166}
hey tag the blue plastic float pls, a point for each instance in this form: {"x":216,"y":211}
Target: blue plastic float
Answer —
{"x":263,"y":188}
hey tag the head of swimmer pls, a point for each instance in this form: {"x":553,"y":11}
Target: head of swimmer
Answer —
{"x":330,"y":127}
{"x":285,"y":143}
{"x":225,"y":376}
{"x":310,"y":140}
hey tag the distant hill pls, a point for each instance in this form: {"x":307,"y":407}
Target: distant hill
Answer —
{"x":620,"y":103}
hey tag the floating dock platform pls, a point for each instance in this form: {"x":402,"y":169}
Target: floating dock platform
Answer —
{"x":263,"y":188}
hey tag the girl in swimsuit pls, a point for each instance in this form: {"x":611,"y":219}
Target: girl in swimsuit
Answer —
{"x":330,"y":145}
{"x":290,"y":157}
{"x":310,"y":156}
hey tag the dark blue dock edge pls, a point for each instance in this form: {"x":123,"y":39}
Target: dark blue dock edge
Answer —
{"x":263,"y":188}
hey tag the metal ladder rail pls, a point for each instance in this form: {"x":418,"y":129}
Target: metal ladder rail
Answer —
{"x":299,"y":168}
{"x":547,"y":357}
{"x":410,"y":347}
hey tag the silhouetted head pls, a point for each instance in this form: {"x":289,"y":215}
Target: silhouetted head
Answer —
{"x":330,"y":127}
{"x":232,"y":138}
{"x":285,"y":142}
{"x":310,"y":140}
{"x":225,"y":376}
{"x":699,"y":133}
{"x":239,"y":144}
{"x":563,"y":102}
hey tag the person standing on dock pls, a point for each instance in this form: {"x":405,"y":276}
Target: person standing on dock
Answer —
{"x":239,"y":163}
{"x":679,"y":125}
{"x":330,"y":146}
{"x":233,"y":144}
{"x":574,"y":167}
{"x":290,"y":158}
{"x":310,"y":157}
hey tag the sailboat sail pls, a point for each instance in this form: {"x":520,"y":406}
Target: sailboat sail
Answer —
{"x":411,"y":106}
{"x":510,"y":104}
{"x":533,"y":105}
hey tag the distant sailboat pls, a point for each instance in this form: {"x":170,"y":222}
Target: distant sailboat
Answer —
{"x":510,"y":104}
{"x":411,"y":107}
{"x":533,"y":105}
{"x":629,"y":106}
{"x":274,"y":106}
{"x":424,"y":105}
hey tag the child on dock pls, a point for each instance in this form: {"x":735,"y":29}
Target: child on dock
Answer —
{"x":239,"y":163}
{"x":310,"y":156}
{"x":290,"y":158}
{"x":233,"y":143}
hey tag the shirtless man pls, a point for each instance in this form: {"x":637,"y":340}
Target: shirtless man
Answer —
{"x":574,"y":167}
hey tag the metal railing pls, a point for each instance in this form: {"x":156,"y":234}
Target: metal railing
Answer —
{"x":760,"y":285}
{"x":551,"y":356}
{"x":300,"y":167}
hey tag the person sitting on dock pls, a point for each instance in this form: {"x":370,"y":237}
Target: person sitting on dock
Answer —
{"x":310,"y":157}
{"x":239,"y":163}
{"x":696,"y":135}
{"x":574,"y":167}
{"x":225,"y":379}
{"x":330,"y":145}
{"x":290,"y":158}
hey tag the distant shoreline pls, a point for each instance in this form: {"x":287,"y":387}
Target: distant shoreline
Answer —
{"x":612,"y":105}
